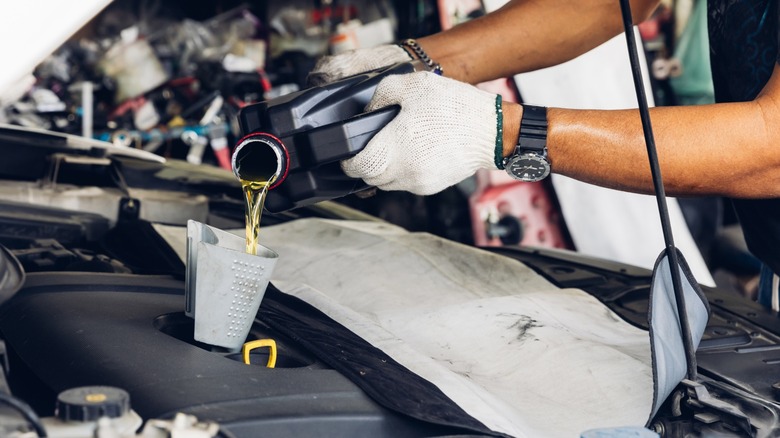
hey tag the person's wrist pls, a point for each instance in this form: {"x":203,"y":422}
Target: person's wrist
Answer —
{"x":415,"y":51}
{"x":446,"y":51}
{"x":409,"y":52}
{"x":513,"y":113}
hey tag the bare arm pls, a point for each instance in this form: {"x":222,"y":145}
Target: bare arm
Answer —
{"x":721,"y":149}
{"x":526,"y":35}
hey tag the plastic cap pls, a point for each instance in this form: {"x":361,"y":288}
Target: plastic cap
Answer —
{"x":89,"y":403}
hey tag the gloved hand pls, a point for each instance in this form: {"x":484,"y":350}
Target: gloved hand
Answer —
{"x":332,"y":68}
{"x":444,"y":132}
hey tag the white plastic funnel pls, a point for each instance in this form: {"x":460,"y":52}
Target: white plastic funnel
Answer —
{"x":224,"y":284}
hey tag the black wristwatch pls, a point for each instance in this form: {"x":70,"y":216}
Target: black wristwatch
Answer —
{"x":529,"y":161}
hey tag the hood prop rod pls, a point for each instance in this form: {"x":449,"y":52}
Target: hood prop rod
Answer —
{"x":660,"y":194}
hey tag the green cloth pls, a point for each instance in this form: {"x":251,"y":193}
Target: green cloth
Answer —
{"x":694,"y":86}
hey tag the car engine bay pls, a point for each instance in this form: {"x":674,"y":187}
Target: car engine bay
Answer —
{"x":96,"y":298}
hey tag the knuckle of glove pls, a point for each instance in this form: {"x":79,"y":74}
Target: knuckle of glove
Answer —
{"x":370,"y":163}
{"x":419,"y":183}
{"x":389,"y":91}
{"x":352,"y":62}
{"x":335,"y":67}
{"x":339,"y":66}
{"x":411,"y":90}
{"x":315,"y":79}
{"x":322,"y":73}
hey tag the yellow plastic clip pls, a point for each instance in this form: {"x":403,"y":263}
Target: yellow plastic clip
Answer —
{"x":249,"y":346}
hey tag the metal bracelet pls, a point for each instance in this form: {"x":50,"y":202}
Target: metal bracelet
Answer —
{"x":422,"y":56}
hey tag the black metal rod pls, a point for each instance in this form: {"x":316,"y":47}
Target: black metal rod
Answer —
{"x":660,"y":193}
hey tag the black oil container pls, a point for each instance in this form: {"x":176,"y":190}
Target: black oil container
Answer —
{"x":309,"y":133}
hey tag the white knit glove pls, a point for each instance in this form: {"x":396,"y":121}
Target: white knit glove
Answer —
{"x":332,"y":68}
{"x":444,"y":132}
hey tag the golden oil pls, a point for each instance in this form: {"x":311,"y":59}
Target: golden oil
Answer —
{"x":254,"y":194}
{"x":257,"y":164}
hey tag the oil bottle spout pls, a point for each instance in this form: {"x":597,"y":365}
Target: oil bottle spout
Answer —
{"x":261,"y":157}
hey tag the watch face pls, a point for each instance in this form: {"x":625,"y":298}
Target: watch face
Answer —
{"x":528,"y":167}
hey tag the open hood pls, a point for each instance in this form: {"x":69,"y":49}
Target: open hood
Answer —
{"x":43,"y":25}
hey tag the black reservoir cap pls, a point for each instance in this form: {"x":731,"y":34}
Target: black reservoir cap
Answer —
{"x":88,"y":403}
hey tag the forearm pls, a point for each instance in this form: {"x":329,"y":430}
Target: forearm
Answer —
{"x":722,"y":149}
{"x":710,"y":150}
{"x":526,"y":35}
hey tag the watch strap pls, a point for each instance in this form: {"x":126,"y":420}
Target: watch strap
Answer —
{"x":533,"y":130}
